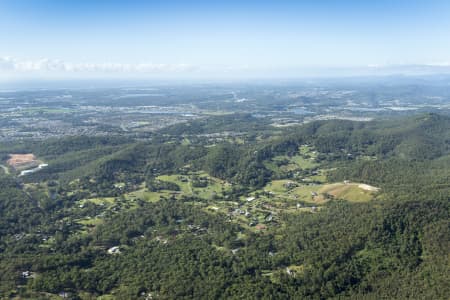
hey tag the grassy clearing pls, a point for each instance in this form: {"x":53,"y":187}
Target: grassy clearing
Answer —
{"x":351,"y":192}
{"x":306,"y":159}
{"x":296,"y":270}
{"x":277,"y":186}
{"x":307,"y":150}
{"x":99,"y":201}
{"x":306,"y":193}
{"x":304,"y":163}
{"x":182,"y":181}
{"x":147,"y":195}
{"x":319,"y":193}
{"x":321,"y":178}
{"x":214,"y":185}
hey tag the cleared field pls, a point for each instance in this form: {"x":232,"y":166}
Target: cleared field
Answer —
{"x":22,"y":161}
{"x":147,"y":195}
{"x":213,"y":187}
{"x":292,"y":163}
{"x":354,"y":192}
{"x":306,"y":159}
{"x":182,"y":181}
{"x":99,"y":201}
{"x":321,"y":193}
{"x":304,"y":163}
{"x":307,"y":193}
{"x":277,"y":186}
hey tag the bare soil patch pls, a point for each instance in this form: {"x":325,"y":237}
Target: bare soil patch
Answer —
{"x":22,"y":161}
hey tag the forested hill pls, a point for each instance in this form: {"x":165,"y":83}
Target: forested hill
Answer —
{"x":232,"y":207}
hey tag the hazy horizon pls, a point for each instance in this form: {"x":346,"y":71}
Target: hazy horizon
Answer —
{"x":232,"y":40}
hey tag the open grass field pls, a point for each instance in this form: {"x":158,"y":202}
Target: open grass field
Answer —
{"x":306,"y":159}
{"x":304,"y":163}
{"x":354,"y":192}
{"x":320,"y":193}
{"x":99,"y":201}
{"x":278,"y":186}
{"x":214,"y":187}
{"x":147,"y":195}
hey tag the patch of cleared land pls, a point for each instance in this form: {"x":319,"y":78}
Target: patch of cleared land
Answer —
{"x":320,"y":193}
{"x":99,"y":201}
{"x":23,"y":161}
{"x":354,"y":192}
{"x":304,"y":160}
{"x":146,"y":195}
{"x":213,"y":186}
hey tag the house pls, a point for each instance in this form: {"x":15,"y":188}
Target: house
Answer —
{"x":289,"y":185}
{"x":161,"y":240}
{"x":250,"y":199}
{"x":64,"y":294}
{"x":26,"y":274}
{"x":114,"y":250}
{"x":238,"y":211}
{"x":19,"y":236}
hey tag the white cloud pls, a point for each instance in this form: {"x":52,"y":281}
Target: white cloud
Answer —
{"x":7,"y":64}
{"x":10,"y":64}
{"x":11,"y":68}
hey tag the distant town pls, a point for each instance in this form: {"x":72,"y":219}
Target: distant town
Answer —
{"x":139,"y":111}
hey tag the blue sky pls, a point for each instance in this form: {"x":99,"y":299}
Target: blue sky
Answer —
{"x":218,"y":38}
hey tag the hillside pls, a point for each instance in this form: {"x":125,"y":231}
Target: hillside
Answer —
{"x":328,"y":209}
